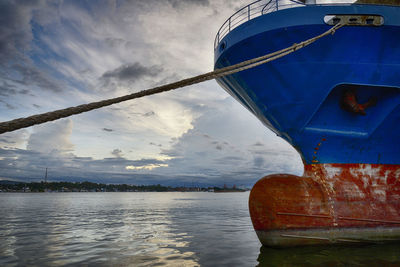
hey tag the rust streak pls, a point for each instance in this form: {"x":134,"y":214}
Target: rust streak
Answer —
{"x":340,"y":218}
{"x":369,"y":220}
{"x":305,"y":237}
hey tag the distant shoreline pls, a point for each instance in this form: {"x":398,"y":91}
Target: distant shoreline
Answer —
{"x":7,"y":186}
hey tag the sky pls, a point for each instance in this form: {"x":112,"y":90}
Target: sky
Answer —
{"x":56,"y":54}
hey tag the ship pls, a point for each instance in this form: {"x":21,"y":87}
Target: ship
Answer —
{"x":337,"y":102}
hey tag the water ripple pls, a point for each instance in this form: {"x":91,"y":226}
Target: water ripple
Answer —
{"x":152,"y":229}
{"x":104,"y":229}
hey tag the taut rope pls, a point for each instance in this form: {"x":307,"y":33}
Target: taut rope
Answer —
{"x":20,"y":123}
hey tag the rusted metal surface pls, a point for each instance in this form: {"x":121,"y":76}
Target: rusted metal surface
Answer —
{"x":350,"y":103}
{"x":361,"y":199}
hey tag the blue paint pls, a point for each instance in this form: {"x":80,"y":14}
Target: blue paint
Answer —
{"x":298,"y":96}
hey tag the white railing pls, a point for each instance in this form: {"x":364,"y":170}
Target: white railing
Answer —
{"x":262,"y":7}
{"x":251,"y":11}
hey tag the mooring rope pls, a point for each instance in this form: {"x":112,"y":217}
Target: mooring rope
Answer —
{"x":20,"y":123}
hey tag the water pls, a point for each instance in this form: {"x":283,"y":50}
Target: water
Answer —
{"x":152,"y":229}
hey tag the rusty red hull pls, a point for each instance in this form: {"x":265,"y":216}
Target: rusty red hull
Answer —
{"x":330,"y":203}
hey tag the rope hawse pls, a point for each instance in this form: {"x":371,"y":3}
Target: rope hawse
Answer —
{"x":20,"y":123}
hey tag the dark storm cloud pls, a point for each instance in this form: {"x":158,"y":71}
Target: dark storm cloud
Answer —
{"x":133,"y":71}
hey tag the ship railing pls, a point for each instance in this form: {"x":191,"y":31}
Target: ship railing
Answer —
{"x":251,"y":11}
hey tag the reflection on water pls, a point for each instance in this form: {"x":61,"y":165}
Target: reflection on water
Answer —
{"x":125,"y":229}
{"x":152,"y":229}
{"x":381,"y":255}
{"x":74,"y":229}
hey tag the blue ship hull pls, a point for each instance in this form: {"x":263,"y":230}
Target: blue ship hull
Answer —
{"x":298,"y":96}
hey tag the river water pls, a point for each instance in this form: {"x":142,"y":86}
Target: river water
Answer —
{"x":152,"y":229}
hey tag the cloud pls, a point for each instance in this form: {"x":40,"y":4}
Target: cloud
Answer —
{"x":148,"y":114}
{"x":231,"y":149}
{"x":15,"y":139}
{"x":8,"y":105}
{"x":114,"y":42}
{"x":7,"y":89}
{"x":18,"y":70}
{"x":33,"y":76}
{"x":131,"y":72}
{"x":52,"y":137}
{"x":117,"y":153}
{"x":15,"y":30}
{"x":179,"y":3}
{"x":259,"y":161}
{"x":146,"y":167}
{"x":258,"y":144}
{"x":64,"y":53}
{"x":154,"y":144}
{"x":161,"y":115}
{"x":29,"y":165}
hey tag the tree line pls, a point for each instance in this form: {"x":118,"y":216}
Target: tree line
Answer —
{"x":10,"y":186}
